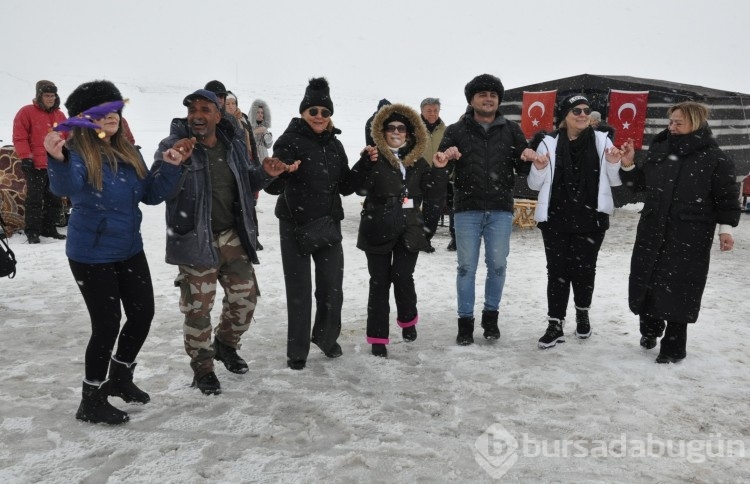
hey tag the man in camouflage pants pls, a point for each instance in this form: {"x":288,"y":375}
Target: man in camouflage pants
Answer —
{"x":211,"y":236}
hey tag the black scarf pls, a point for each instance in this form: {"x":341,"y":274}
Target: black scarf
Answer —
{"x":577,"y":166}
{"x":431,"y":126}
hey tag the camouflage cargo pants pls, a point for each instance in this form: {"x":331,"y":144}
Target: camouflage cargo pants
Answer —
{"x":198,"y":291}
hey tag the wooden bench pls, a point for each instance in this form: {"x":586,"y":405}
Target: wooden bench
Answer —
{"x":523,"y":213}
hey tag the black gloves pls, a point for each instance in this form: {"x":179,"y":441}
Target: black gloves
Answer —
{"x":27,"y":164}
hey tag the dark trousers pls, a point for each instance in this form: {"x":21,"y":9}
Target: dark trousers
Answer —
{"x":104,"y":287}
{"x":329,"y":294}
{"x":42,"y":208}
{"x":571,"y":261}
{"x":396,"y":267}
{"x":432,"y":209}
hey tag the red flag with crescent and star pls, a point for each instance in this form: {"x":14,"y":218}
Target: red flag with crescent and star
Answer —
{"x":627,"y":114}
{"x":537,"y":112}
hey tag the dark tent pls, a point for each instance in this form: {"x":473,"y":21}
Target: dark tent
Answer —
{"x":729,"y":116}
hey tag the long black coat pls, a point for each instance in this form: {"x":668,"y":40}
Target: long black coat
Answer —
{"x":690,"y":187}
{"x":383,"y":185}
{"x":313,"y":190}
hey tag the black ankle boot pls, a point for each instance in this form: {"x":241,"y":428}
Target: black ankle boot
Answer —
{"x":380,"y":350}
{"x":489,"y":324}
{"x":465,"y":331}
{"x":673,"y":344}
{"x":583,"y":325}
{"x":228,"y":355}
{"x":95,"y":408}
{"x":121,"y":383}
{"x":651,"y":329}
{"x":553,"y":335}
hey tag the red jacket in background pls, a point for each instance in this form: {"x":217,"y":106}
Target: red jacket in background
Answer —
{"x":30,"y":126}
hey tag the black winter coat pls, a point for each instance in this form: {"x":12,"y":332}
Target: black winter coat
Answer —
{"x":484,"y":175}
{"x":690,"y":187}
{"x":313,"y":190}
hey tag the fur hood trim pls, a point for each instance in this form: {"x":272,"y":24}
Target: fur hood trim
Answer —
{"x":416,"y":142}
{"x":259,"y":103}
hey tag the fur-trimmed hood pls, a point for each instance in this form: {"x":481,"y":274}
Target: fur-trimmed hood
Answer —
{"x":417,"y":139}
{"x":259,"y":103}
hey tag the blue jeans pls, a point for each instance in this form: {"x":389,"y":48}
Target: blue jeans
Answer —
{"x":471,"y":227}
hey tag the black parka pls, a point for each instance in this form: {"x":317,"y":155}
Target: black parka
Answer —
{"x":690,"y":187}
{"x":383,"y":185}
{"x":484,"y":175}
{"x":313,"y":190}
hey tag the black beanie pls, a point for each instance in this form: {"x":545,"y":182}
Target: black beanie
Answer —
{"x":91,"y":94}
{"x":317,"y":93}
{"x":568,"y":103}
{"x":216,"y":87}
{"x":396,"y":116}
{"x":484,"y":82}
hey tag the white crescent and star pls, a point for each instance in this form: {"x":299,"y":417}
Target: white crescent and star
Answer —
{"x":535,"y":121}
{"x":625,"y":107}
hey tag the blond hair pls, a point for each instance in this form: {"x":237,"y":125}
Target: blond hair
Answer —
{"x":697,"y":113}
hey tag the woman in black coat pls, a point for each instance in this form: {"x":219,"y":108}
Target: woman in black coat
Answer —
{"x":310,"y":193}
{"x":690,"y":188}
{"x":394,"y":178}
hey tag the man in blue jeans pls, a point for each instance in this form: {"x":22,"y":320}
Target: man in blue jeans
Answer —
{"x":485,"y":150}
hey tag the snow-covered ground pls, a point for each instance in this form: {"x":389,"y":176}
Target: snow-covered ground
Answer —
{"x":598,"y":410}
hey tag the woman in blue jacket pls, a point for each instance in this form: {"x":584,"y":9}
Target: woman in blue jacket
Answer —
{"x":106,"y":178}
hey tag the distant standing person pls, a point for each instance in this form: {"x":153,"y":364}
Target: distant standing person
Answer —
{"x":30,"y":126}
{"x":312,"y":192}
{"x":573,"y":170}
{"x":690,"y":187}
{"x":368,"y":123}
{"x":485,"y":149}
{"x":393,"y":176}
{"x":260,"y":124}
{"x":600,"y":125}
{"x":434,"y":202}
{"x":106,"y":179}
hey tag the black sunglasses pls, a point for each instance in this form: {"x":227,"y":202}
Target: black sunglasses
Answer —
{"x":323,"y":112}
{"x":401,"y":128}
{"x":578,"y":111}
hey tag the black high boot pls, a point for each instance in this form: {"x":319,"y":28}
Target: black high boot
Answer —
{"x":583,"y":325}
{"x":489,"y":324}
{"x":465,"y":331}
{"x":651,"y":329}
{"x":673,"y":344}
{"x":121,"y":383}
{"x":95,"y":408}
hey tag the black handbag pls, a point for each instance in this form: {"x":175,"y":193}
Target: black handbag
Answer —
{"x":317,"y":234}
{"x":7,"y":257}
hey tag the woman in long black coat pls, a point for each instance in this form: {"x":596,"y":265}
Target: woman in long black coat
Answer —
{"x":394,"y":178}
{"x":690,"y":188}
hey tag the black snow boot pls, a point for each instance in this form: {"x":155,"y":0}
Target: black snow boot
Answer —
{"x":95,"y":408}
{"x":651,"y":329}
{"x":673,"y":344}
{"x":554,"y":334}
{"x":121,"y":383}
{"x":228,"y":355}
{"x":489,"y":324}
{"x":583,"y":326}
{"x":452,"y":245}
{"x":465,"y":331}
{"x":380,"y":350}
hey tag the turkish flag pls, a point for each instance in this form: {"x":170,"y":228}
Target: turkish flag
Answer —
{"x":627,"y":114}
{"x":537,"y":112}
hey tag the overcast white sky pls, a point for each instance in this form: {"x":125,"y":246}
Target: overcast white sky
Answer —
{"x":402,"y":50}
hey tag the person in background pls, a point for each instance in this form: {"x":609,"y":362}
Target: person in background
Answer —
{"x":368,"y":123}
{"x":310,"y":193}
{"x":690,"y":188}
{"x":393,"y":176}
{"x":485,"y":150}
{"x":211,"y":236}
{"x":432,"y":207}
{"x":260,"y":123}
{"x":573,"y":170}
{"x":600,"y":125}
{"x":106,"y":179}
{"x":30,"y":126}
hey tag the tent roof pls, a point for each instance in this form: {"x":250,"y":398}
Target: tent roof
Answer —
{"x":628,"y":83}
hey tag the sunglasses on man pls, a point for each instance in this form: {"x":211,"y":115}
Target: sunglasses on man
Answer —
{"x":323,"y":112}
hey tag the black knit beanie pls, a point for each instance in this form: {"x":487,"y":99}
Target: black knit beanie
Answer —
{"x":91,"y":94}
{"x":484,"y":82}
{"x":396,"y":116}
{"x":317,"y":93}
{"x":568,"y":103}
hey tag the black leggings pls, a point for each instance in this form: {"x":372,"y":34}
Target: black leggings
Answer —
{"x":571,"y":261}
{"x":103,"y":287}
